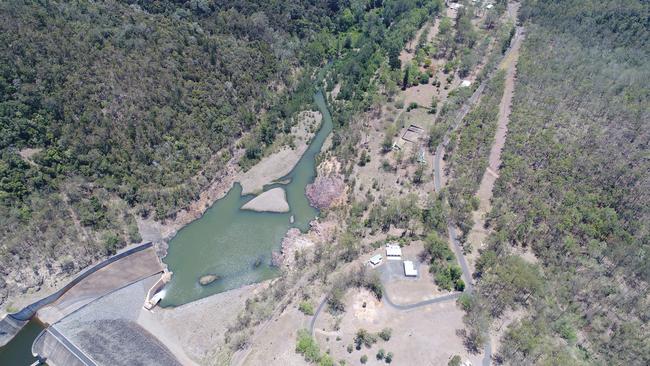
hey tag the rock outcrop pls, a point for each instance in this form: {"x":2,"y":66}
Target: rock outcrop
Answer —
{"x":328,"y":188}
{"x":292,"y":242}
{"x":208,"y":279}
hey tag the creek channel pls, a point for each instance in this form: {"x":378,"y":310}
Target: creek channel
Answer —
{"x":235,"y":245}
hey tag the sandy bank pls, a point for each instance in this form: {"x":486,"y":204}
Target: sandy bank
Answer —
{"x":273,"y":200}
{"x":279,"y":164}
{"x":270,"y":169}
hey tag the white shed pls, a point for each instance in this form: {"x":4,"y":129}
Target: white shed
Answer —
{"x":375,"y":260}
{"x":393,"y":251}
{"x":409,"y":269}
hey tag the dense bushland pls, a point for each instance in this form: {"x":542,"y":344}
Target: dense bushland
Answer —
{"x":573,"y":189}
{"x":121,"y":108}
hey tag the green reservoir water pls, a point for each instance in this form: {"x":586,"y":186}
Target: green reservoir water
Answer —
{"x":18,"y":352}
{"x":235,"y":244}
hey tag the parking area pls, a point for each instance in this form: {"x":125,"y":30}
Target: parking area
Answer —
{"x":393,"y":270}
{"x":403,"y":289}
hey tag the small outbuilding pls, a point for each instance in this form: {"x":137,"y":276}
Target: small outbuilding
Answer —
{"x":375,"y":260}
{"x":393,"y":251}
{"x":409,"y":269}
{"x":455,"y":6}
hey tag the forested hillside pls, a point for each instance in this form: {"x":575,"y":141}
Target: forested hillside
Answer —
{"x":574,"y":190}
{"x":112,"y":109}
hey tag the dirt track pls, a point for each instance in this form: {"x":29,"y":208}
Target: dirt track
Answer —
{"x":484,"y":192}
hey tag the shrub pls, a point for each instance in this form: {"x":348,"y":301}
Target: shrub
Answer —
{"x":306,"y":346}
{"x":455,"y":361}
{"x":240,"y":341}
{"x":465,"y":301}
{"x":253,"y":152}
{"x":381,"y":354}
{"x":364,"y":158}
{"x":411,"y":106}
{"x":389,"y":357}
{"x":475,"y":202}
{"x":418,"y":175}
{"x":364,"y":337}
{"x":443,"y":280}
{"x":11,"y":308}
{"x":385,"y":165}
{"x":364,"y":359}
{"x":306,"y":307}
{"x":434,"y":105}
{"x":385,"y":334}
{"x":387,"y":144}
{"x":326,"y":360}
{"x":460,"y":285}
{"x":567,"y":332}
{"x":449,"y":278}
{"x":373,"y":283}
{"x":134,"y":233}
{"x":350,"y":348}
{"x":112,"y":243}
{"x":335,"y":301}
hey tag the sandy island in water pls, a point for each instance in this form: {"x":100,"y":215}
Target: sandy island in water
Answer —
{"x":273,"y":200}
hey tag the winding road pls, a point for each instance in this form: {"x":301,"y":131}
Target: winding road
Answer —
{"x":453,"y":238}
{"x":312,"y":323}
{"x":451,"y":228}
{"x":436,"y":300}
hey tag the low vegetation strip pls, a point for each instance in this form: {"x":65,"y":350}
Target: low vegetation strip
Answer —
{"x":469,"y":151}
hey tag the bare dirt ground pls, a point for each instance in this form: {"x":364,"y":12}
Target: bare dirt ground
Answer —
{"x":397,"y":180}
{"x":422,"y":336}
{"x":274,"y":341}
{"x":501,"y":326}
{"x":28,"y":153}
{"x":411,"y":334}
{"x":197,"y":329}
{"x":278,"y":347}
